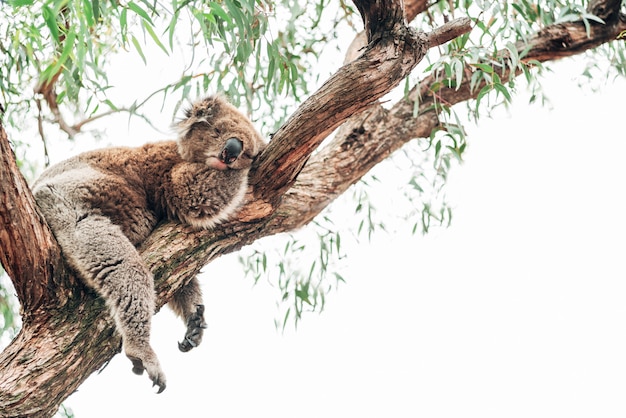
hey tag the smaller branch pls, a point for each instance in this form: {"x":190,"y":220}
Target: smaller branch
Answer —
{"x":46,"y":156}
{"x":47,"y":90}
{"x":439,"y":36}
{"x":78,"y":126}
{"x":449,"y":31}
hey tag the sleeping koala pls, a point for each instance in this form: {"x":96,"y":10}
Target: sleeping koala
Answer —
{"x":101,"y":204}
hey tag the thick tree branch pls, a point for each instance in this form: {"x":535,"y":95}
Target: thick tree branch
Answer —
{"x":29,"y":253}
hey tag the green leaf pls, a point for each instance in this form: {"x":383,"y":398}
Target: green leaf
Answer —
{"x":483,"y":67}
{"x":172,"y":29}
{"x":303,"y":295}
{"x":141,"y":12}
{"x":154,"y":37}
{"x":339,"y":277}
{"x":236,"y":14}
{"x":68,"y":45}
{"x":219,"y":11}
{"x":95,"y":6}
{"x":458,"y":66}
{"x":474,"y":80}
{"x":20,"y":3}
{"x":139,"y":50}
{"x":123,"y":25}
{"x":481,"y":94}
{"x":502,"y":89}
{"x":50,"y":18}
{"x":88,"y":11}
{"x":285,"y":319}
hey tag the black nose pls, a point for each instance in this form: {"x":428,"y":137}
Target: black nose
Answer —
{"x":231,"y":150}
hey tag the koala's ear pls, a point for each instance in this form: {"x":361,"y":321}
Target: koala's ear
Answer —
{"x":205,"y":109}
{"x":200,"y":111}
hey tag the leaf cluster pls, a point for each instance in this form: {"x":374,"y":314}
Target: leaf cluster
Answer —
{"x":254,"y":51}
{"x":304,"y":270}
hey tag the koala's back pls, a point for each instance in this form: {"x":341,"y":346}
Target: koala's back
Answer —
{"x":122,"y":184}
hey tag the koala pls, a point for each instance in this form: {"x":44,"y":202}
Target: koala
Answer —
{"x":102,"y":204}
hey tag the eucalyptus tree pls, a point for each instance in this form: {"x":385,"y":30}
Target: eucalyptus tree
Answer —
{"x":328,"y":130}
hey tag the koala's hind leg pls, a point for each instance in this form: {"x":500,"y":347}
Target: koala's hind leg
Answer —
{"x":110,"y":264}
{"x":113,"y":267}
{"x":187,"y":304}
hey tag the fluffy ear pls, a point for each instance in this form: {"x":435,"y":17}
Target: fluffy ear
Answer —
{"x":201,"y":111}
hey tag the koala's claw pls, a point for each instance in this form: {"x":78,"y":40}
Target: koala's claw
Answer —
{"x":137,"y":366}
{"x":195,"y":329}
{"x":160,"y":384}
{"x":152,"y":367}
{"x":186,"y":345}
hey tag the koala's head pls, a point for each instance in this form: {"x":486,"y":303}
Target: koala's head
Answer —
{"x":215,"y":133}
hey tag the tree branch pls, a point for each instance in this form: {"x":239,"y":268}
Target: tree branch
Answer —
{"x":30,"y":255}
{"x":449,"y":31}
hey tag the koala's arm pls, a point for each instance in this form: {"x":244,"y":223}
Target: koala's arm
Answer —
{"x":187,"y":304}
{"x":201,"y":196}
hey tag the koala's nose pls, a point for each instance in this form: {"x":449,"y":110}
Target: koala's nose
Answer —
{"x":231,"y":150}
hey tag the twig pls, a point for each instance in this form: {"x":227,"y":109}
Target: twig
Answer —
{"x":78,"y":126}
{"x":449,"y":31}
{"x":41,"y":133}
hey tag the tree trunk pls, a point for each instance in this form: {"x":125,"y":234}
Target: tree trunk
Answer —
{"x":67,"y":333}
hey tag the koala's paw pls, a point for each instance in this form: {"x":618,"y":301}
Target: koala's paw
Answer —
{"x":195,"y":329}
{"x":147,"y":361}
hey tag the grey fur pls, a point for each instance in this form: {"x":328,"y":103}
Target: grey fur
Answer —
{"x":102,"y":204}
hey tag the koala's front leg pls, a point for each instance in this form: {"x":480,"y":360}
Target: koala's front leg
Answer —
{"x":195,"y":330}
{"x":203,"y":197}
{"x":187,"y":304}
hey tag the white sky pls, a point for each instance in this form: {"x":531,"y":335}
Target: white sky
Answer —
{"x":518,"y":309}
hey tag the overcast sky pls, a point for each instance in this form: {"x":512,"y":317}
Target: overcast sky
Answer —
{"x":516,"y":310}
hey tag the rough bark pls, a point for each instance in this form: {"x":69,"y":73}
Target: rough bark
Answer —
{"x":67,"y":333}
